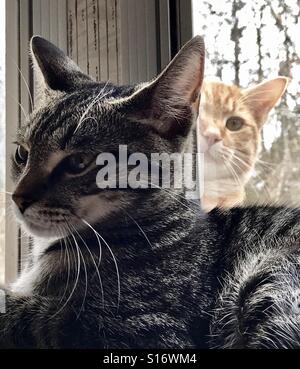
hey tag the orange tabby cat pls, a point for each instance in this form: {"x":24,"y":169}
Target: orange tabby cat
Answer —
{"x":228,"y":130}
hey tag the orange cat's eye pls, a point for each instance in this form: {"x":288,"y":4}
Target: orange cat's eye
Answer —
{"x":234,"y":123}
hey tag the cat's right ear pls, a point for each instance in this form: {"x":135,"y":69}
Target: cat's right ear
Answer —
{"x":169,"y":101}
{"x":54,"y":71}
{"x":261,"y":98}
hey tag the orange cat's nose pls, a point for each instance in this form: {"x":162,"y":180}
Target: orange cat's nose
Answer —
{"x":206,"y":141}
{"x":213,"y":139}
{"x":211,"y":134}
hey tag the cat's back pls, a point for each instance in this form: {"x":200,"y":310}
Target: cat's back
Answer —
{"x":252,"y":229}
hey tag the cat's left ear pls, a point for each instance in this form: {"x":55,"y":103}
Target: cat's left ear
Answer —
{"x":261,"y":98}
{"x":54,"y":71}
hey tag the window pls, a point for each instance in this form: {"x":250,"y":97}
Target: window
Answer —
{"x":248,"y":42}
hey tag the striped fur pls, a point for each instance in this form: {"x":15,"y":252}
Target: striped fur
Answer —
{"x":258,"y":304}
{"x":151,"y":271}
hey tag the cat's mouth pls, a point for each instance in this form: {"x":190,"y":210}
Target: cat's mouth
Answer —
{"x":49,"y":229}
{"x":47,"y":223}
{"x":218,"y":153}
{"x":214,"y":154}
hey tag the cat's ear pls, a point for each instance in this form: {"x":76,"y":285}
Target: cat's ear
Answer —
{"x":261,"y":98}
{"x":167,"y":103}
{"x":53,"y":69}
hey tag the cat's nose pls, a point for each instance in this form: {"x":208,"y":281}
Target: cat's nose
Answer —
{"x":22,"y":201}
{"x":213,"y":139}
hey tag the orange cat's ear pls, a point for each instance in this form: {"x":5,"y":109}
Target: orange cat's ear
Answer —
{"x":262,"y":98}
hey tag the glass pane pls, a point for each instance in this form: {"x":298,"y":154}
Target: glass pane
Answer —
{"x":2,"y":136}
{"x":248,"y":42}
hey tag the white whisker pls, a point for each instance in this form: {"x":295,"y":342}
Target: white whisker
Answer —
{"x":26,"y":85}
{"x":94,"y":262}
{"x":114,"y":259}
{"x":99,"y":96}
{"x":75,"y":283}
{"x":140,"y":228}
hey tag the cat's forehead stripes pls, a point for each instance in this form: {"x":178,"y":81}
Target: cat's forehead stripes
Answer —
{"x":72,"y":117}
{"x":220,"y":99}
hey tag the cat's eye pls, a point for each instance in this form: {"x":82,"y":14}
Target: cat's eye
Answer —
{"x":77,"y":163}
{"x":234,"y":123}
{"x":21,"y":155}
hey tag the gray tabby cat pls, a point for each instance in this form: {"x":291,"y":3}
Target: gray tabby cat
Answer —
{"x":129,"y":268}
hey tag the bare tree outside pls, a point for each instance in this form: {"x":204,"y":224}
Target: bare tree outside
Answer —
{"x":247,"y":42}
